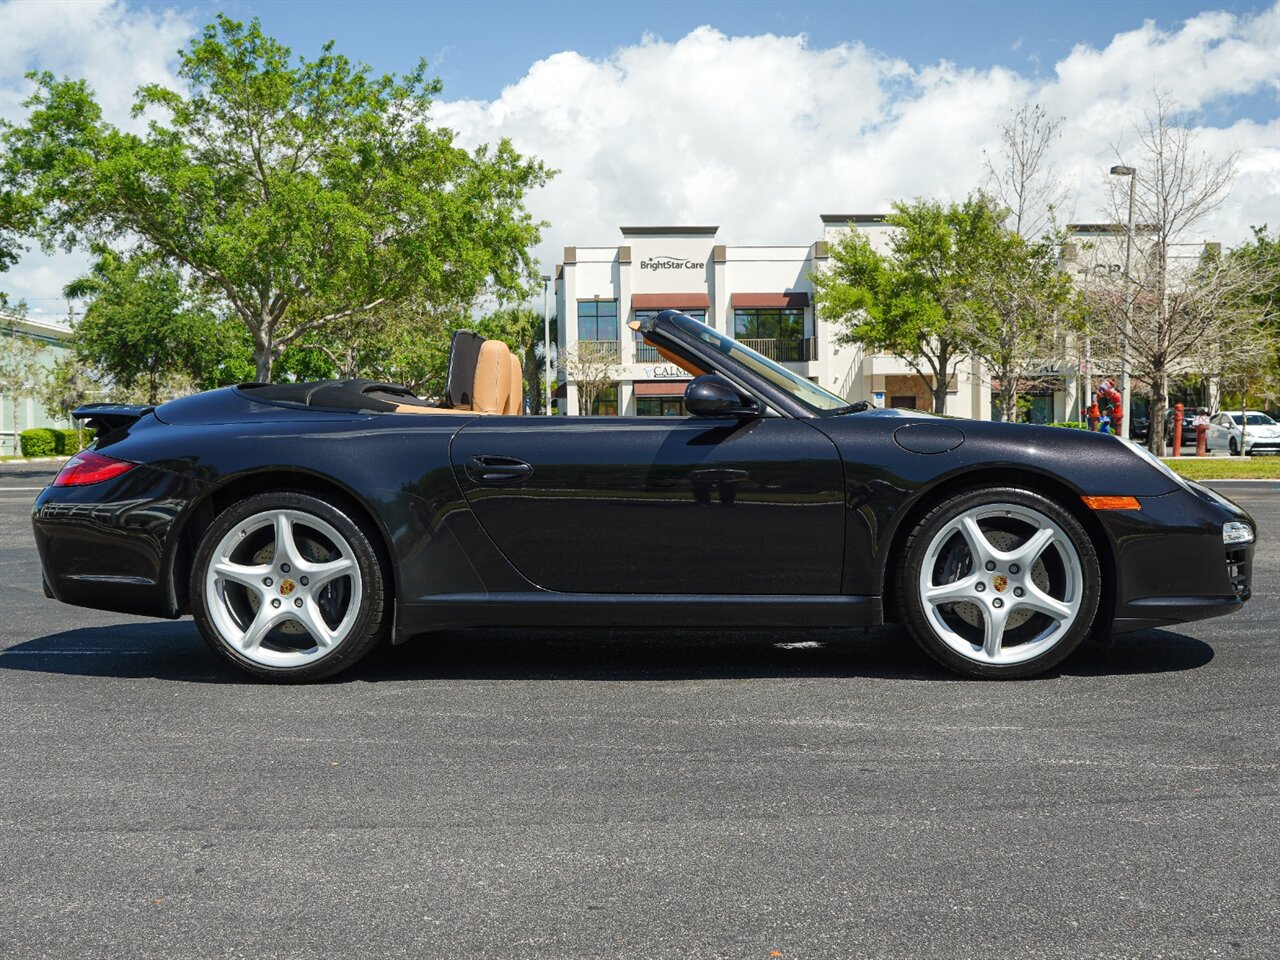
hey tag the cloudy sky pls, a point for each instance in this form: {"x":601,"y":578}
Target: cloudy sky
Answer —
{"x":758,"y":117}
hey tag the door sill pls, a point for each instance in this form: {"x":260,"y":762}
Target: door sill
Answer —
{"x":549,"y":609}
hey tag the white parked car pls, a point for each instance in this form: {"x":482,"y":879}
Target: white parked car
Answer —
{"x":1261,"y":433}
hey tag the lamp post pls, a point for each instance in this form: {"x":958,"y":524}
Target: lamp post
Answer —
{"x":546,"y":348}
{"x":1126,"y":394}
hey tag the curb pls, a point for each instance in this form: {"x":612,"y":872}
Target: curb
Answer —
{"x":1242,"y":480}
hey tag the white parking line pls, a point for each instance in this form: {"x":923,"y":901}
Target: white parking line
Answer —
{"x":20,"y":489}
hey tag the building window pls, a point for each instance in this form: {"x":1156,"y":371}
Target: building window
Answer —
{"x":660,"y":407}
{"x":605,"y":403}
{"x":648,"y":354}
{"x":777,"y":333}
{"x":598,"y":320}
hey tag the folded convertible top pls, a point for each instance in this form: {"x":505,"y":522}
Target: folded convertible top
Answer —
{"x":362,"y":396}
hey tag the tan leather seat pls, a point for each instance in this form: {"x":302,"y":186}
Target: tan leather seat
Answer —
{"x":498,"y":387}
{"x":493,"y":379}
{"x":515,"y":399}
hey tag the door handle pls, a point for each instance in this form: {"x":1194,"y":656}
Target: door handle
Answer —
{"x":497,"y":470}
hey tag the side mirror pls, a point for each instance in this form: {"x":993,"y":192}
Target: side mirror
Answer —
{"x":711,"y":395}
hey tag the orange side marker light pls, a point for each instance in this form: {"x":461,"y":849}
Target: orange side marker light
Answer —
{"x":1112,"y":503}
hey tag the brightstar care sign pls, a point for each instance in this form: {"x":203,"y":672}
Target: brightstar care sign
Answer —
{"x":670,"y":263}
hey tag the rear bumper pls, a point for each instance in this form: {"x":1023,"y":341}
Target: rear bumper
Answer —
{"x":105,"y":545}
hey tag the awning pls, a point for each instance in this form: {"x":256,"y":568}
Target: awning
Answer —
{"x":770,"y":301}
{"x":669,"y":301}
{"x":661,"y":388}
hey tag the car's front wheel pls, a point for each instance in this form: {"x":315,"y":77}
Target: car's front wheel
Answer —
{"x":288,"y":587}
{"x":1235,"y":447}
{"x":999,"y":582}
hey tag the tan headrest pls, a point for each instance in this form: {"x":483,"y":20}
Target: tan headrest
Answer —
{"x":515,"y":400}
{"x":493,"y":378}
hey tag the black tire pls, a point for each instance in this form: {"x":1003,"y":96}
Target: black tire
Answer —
{"x":1235,"y":447}
{"x":912,"y":605}
{"x":369,"y":622}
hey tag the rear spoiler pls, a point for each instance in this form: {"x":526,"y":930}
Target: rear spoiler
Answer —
{"x":103,"y":418}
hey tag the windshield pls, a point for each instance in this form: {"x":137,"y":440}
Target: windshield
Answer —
{"x":808,"y":393}
{"x":1253,"y":420}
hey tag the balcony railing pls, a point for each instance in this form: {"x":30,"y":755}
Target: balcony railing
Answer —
{"x":646,"y":354}
{"x":788,"y":351}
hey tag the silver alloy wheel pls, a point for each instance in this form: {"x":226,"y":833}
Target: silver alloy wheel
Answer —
{"x":257,"y":595}
{"x":1001,"y":577}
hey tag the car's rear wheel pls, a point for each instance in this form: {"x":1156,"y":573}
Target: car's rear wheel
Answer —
{"x":999,"y":582}
{"x":1235,"y":448}
{"x":288,"y":587}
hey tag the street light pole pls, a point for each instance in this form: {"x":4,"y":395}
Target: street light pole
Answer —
{"x":546,"y":348}
{"x":1126,"y":393}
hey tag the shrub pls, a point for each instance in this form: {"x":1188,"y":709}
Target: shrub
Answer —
{"x":39,"y":442}
{"x":1073,"y":424}
{"x":69,"y":441}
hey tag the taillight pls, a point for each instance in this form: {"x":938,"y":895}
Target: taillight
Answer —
{"x":88,"y":467}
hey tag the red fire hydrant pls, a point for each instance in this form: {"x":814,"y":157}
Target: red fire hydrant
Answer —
{"x":1202,"y":432}
{"x":1177,"y":429}
{"x":1094,"y":417}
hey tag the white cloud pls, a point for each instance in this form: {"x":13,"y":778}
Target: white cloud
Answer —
{"x":115,"y":48}
{"x":762,"y":134}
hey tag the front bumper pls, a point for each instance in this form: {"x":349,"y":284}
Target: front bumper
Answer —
{"x":108,"y":546}
{"x":1262,"y":445}
{"x":1171,"y":564}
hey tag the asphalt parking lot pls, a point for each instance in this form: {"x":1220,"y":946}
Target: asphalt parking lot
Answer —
{"x":634,"y":795}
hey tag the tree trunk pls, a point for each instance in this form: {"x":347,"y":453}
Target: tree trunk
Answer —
{"x":1159,"y":403}
{"x":262,"y":358}
{"x":1008,"y":399}
{"x":940,"y":392}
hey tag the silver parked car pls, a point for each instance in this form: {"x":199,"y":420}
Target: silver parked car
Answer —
{"x":1261,"y":433}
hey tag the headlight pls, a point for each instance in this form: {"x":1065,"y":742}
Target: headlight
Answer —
{"x":1237,"y":531}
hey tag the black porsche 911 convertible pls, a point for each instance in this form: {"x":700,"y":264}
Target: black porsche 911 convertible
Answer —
{"x":300,"y":524}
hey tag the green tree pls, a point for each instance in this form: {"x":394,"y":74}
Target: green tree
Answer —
{"x":1173,"y":314}
{"x":1260,"y":260}
{"x":917,"y":300}
{"x":140,"y":328}
{"x":590,"y":366}
{"x":1025,"y":305}
{"x":301,"y":192}
{"x":404,"y":342}
{"x":1023,"y":337}
{"x":17,"y":219}
{"x":67,"y":384}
